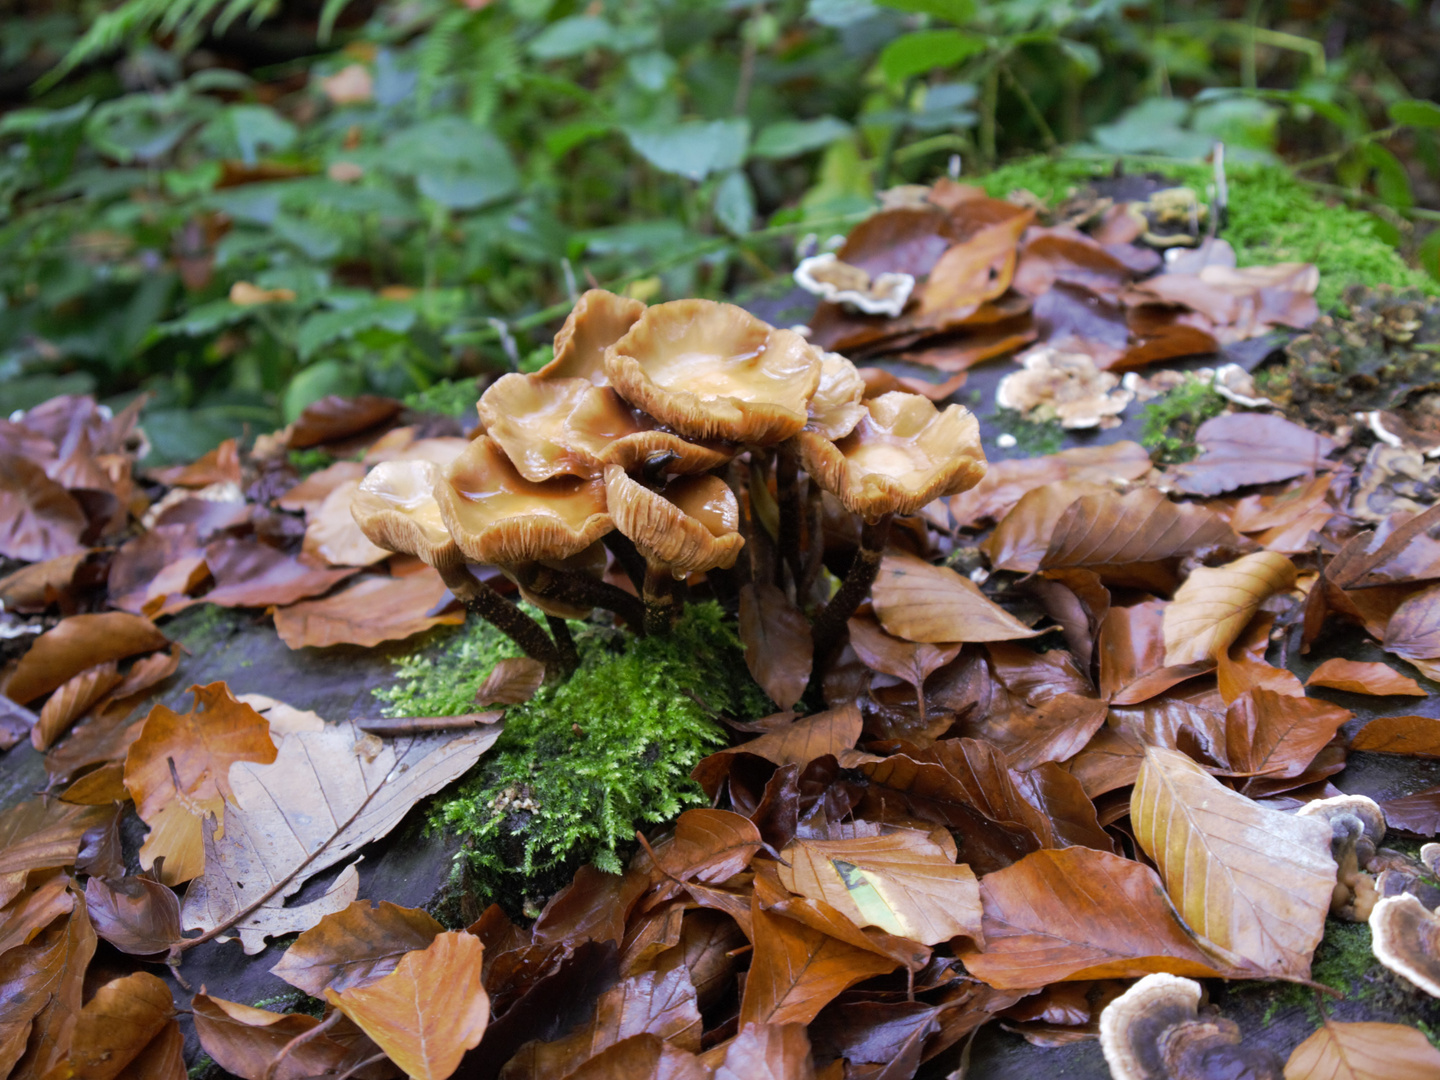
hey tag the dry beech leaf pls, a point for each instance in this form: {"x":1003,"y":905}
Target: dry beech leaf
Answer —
{"x":1022,"y":536}
{"x":1212,"y":607}
{"x":1414,"y":629}
{"x":909,"y":661}
{"x":920,"y":602}
{"x":136,"y":914}
{"x":797,"y":971}
{"x":41,"y":833}
{"x":332,"y":535}
{"x":318,"y":802}
{"x":797,"y":743}
{"x":44,"y":900}
{"x":653,"y":1003}
{"x":178,"y":771}
{"x":117,"y":1024}
{"x":818,"y":915}
{"x":39,"y":519}
{"x":245,"y":1041}
{"x":80,"y":642}
{"x":1132,"y":655}
{"x":1236,"y":676}
{"x":1252,"y":882}
{"x":642,"y":1057}
{"x":709,"y":846}
{"x":40,"y":995}
{"x":768,"y":1052}
{"x":1005,"y":482}
{"x":428,"y":1011}
{"x":778,"y":649}
{"x":1364,"y":678}
{"x":34,"y":588}
{"x":367,"y":612}
{"x":310,"y":492}
{"x":282,"y":718}
{"x":1413,"y":736}
{"x":250,"y":573}
{"x":512,"y":681}
{"x":904,"y":883}
{"x":593,"y":907}
{"x":1277,"y":735}
{"x":1240,"y":449}
{"x":335,"y":417}
{"x":355,"y":946}
{"x":72,"y":700}
{"x":1080,"y":914}
{"x":1109,"y":529}
{"x":1364,"y":1051}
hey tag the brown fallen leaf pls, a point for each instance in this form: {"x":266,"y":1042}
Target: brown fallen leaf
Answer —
{"x":1277,"y":735}
{"x":42,"y":833}
{"x":1407,"y":553}
{"x":117,"y":1024}
{"x":1241,"y":449}
{"x":218,"y":466}
{"x":34,"y":588}
{"x":1413,"y":736}
{"x":1023,"y":535}
{"x":642,"y":1057}
{"x":310,"y":492}
{"x":72,"y":700}
{"x":1005,"y":482}
{"x":917,"y":601}
{"x":80,"y":642}
{"x":979,"y":267}
{"x":428,"y":1011}
{"x":795,"y":743}
{"x":767,"y":1052}
{"x":136,"y":914}
{"x":41,"y":520}
{"x":1080,"y":914}
{"x":397,"y":726}
{"x":797,"y":971}
{"x":1414,"y":629}
{"x":40,"y":995}
{"x":178,"y":771}
{"x":334,"y":417}
{"x":1106,"y":530}
{"x":314,"y":805}
{"x":1364,"y":1051}
{"x":903,"y":883}
{"x":246,"y":1041}
{"x":249,"y":573}
{"x":1212,"y":607}
{"x":709,"y":846}
{"x":43,"y":900}
{"x":512,"y":681}
{"x":332,"y":535}
{"x":1253,"y":883}
{"x":778,"y":649}
{"x":367,"y":612}
{"x":162,"y":1059}
{"x":1364,"y":678}
{"x":355,"y":947}
{"x":909,"y":661}
{"x":1132,"y":655}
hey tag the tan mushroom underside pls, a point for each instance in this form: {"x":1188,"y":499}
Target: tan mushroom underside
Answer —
{"x":497,"y":516}
{"x":902,"y":455}
{"x":596,"y":322}
{"x":395,"y":508}
{"x":692,"y":527}
{"x":1405,"y":937}
{"x":714,"y":371}
{"x":838,"y":402}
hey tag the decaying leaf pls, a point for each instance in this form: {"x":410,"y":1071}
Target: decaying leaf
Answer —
{"x":1111,"y":530}
{"x":1239,"y":449}
{"x":1363,"y":678}
{"x":1005,"y":482}
{"x":1214,"y":604}
{"x":136,"y":914}
{"x":911,"y":661}
{"x":1364,"y":1051}
{"x":1414,"y":629}
{"x":315,"y":804}
{"x":1413,"y":736}
{"x":368,"y":611}
{"x":117,"y":1024}
{"x":1278,"y":735}
{"x":80,"y":642}
{"x":918,"y":601}
{"x":246,"y":1041}
{"x":1022,"y":536}
{"x":41,"y":519}
{"x":41,"y":833}
{"x":1253,"y":883}
{"x":355,"y":946}
{"x":40,"y":994}
{"x":778,"y":649}
{"x":512,"y":681}
{"x":798,"y":742}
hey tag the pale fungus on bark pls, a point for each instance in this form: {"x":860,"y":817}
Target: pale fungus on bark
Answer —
{"x":1065,"y":387}
{"x":1405,"y":936}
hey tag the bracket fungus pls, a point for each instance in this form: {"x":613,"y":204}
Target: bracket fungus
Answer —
{"x":1405,"y":936}
{"x":1067,"y":387}
{"x":1357,"y":825}
{"x":838,"y":282}
{"x":1157,"y":1030}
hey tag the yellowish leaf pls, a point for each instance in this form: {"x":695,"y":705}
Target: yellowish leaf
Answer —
{"x":1367,"y":1051}
{"x":1215,"y":603}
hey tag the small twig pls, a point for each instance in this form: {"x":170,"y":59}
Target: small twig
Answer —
{"x":787,"y":495}
{"x":1037,"y":118}
{"x":373,"y":1059}
{"x":417,"y":725}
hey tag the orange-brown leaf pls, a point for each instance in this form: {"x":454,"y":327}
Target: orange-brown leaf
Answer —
{"x":1022,"y":536}
{"x":1006,"y":481}
{"x":45,"y":899}
{"x":1212,"y":607}
{"x":1413,"y":736}
{"x":246,"y":1041}
{"x":512,"y":681}
{"x":74,"y":698}
{"x":778,"y":649}
{"x":80,"y":642}
{"x":137,"y":915}
{"x":1414,"y":629}
{"x":117,"y":1024}
{"x":355,"y":947}
{"x":920,"y":602}
{"x":1277,"y":735}
{"x":40,"y":995}
{"x":367,"y":612}
{"x":1364,"y":678}
{"x":1109,"y":529}
{"x":1364,"y":1051}
{"x":709,"y":846}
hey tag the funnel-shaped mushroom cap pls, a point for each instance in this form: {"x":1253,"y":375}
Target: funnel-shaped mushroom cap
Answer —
{"x":714,"y":371}
{"x":597,"y":321}
{"x":1405,"y":935}
{"x":838,"y":402}
{"x":690,"y":526}
{"x":901,"y":455}
{"x":556,"y":427}
{"x":395,"y":508}
{"x":497,"y":516}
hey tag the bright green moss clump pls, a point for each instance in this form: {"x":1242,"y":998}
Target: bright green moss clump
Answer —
{"x":1273,"y":218}
{"x":1170,"y":421}
{"x":587,"y":761}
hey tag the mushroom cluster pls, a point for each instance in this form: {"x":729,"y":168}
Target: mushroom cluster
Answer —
{"x":673,"y":436}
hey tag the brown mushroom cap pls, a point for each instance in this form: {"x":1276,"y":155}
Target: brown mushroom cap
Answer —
{"x":714,"y":371}
{"x":497,"y":516}
{"x":901,"y":455}
{"x":1405,"y":936}
{"x":395,"y":508}
{"x":556,"y":427}
{"x":693,"y":525}
{"x":597,"y":321}
{"x":838,"y":402}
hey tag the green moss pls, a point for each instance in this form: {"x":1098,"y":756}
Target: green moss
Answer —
{"x":448,"y":397}
{"x":1273,"y":218}
{"x":201,"y":1069}
{"x":310,"y":460}
{"x":294,"y":1002}
{"x":1032,"y":439}
{"x":1169,"y":422}
{"x":586,"y":761}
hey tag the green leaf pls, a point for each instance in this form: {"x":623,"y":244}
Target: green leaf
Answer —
{"x":651,"y":70}
{"x":572,"y":36}
{"x":458,"y":164}
{"x":1392,"y":182}
{"x":694,"y":148}
{"x":955,"y":11}
{"x":1416,"y":113}
{"x":324,"y":327}
{"x":561,"y":140}
{"x":1430,"y":254}
{"x":925,"y":50}
{"x":318,"y":381}
{"x":735,"y":203}
{"x":204,"y":320}
{"x":790,"y":138}
{"x":254,"y":127}
{"x":839,"y":14}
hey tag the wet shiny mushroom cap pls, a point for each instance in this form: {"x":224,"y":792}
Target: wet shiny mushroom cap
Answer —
{"x":838,"y":402}
{"x":690,"y":525}
{"x":497,"y":516}
{"x":395,"y":508}
{"x":714,"y":371}
{"x":558,"y":427}
{"x":597,"y":321}
{"x":901,"y":455}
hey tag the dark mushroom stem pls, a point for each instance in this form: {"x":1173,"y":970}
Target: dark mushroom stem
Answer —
{"x":501,"y":614}
{"x":829,"y":627}
{"x":630,"y":560}
{"x":660,"y":605}
{"x":815,"y":552}
{"x":569,"y":657}
{"x":787,"y":495}
{"x":579,"y":590}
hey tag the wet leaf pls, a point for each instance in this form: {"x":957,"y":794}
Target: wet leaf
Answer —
{"x":334,"y":417}
{"x":45,"y":899}
{"x":1080,"y":914}
{"x":34,"y":588}
{"x":1414,"y":629}
{"x":906,"y":660}
{"x":1363,"y":678}
{"x":41,"y":833}
{"x":1240,"y":449}
{"x":593,"y":907}
{"x":428,"y":1011}
{"x":920,"y":602}
{"x":178,"y":771}
{"x":315,"y":804}
{"x":218,"y":466}
{"x":40,"y":995}
{"x":797,"y":743}
{"x":709,"y":846}
{"x":978,"y":268}
{"x":80,"y":642}
{"x":797,"y":971}
{"x":1212,"y":607}
{"x":245,"y":1041}
{"x":1277,"y":735}
{"x":768,"y":1052}
{"x":367,"y":612}
{"x":1005,"y":482}
{"x":137,"y":915}
{"x":1132,"y":655}
{"x":1253,"y":883}
{"x":1022,"y":536}
{"x":1364,"y":1051}
{"x":332,"y":535}
{"x":642,"y":1057}
{"x":903,"y":883}
{"x":249,"y":573}
{"x":41,"y":520}
{"x":355,"y":946}
{"x":778,"y":649}
{"x":512,"y":681}
{"x":162,"y":1059}
{"x":310,"y":492}
{"x":117,"y":1024}
{"x":1413,"y":736}
{"x":72,"y":700}
{"x":1108,"y":529}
